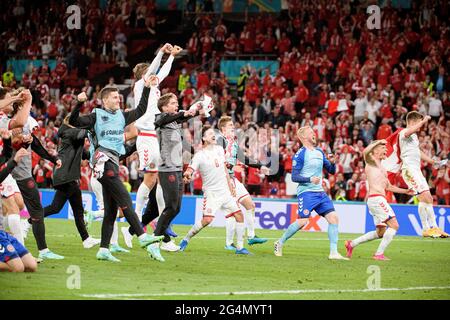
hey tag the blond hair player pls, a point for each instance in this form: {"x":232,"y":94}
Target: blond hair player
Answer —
{"x":379,"y":208}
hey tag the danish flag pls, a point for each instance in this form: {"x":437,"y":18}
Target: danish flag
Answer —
{"x":392,"y":163}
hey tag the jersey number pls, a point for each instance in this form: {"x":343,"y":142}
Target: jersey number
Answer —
{"x":216,"y":162}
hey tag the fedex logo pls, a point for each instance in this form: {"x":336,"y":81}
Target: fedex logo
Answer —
{"x":279,"y":215}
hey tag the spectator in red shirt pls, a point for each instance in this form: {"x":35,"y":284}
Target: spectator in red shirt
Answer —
{"x":442,"y":185}
{"x":284,"y":44}
{"x":231,"y":45}
{"x":269,"y":43}
{"x":384,"y":131}
{"x":254,"y":181}
{"x":39,"y":173}
{"x":252,"y":92}
{"x":202,"y":80}
{"x":301,"y":96}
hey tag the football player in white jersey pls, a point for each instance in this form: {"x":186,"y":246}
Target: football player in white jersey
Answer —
{"x":411,"y":155}
{"x":147,"y":142}
{"x":219,"y":191}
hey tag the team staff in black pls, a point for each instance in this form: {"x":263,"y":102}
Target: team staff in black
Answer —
{"x":108,"y":124}
{"x":66,"y":178}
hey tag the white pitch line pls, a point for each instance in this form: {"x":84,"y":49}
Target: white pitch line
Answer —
{"x":291,"y":239}
{"x":175,"y":294}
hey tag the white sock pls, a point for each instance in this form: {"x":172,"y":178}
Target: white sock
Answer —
{"x":249,"y":218}
{"x":194,"y":230}
{"x":103,"y":250}
{"x":141,"y":198}
{"x":423,"y":216}
{"x":369,"y":236}
{"x":240,"y":229}
{"x":230,"y":226}
{"x":387,"y":238}
{"x":430,"y":215}
{"x":44,"y":251}
{"x":115,"y":235}
{"x":15,"y":226}
{"x":160,"y":199}
{"x":5,"y":222}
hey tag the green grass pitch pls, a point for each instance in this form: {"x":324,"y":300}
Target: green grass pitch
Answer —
{"x":419,"y":269}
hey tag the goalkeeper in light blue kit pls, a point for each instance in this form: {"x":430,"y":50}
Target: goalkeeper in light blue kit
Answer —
{"x":307,"y":167}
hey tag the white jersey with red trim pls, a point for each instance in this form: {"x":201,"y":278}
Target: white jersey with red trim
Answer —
{"x":409,"y":150}
{"x":210,"y":161}
{"x":4,"y":121}
{"x":147,"y":121}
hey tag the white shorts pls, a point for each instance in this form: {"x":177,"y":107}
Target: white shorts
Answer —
{"x":380,"y":210}
{"x":148,"y":149}
{"x":213,"y":201}
{"x":9,"y":187}
{"x":241,"y":192}
{"x":97,"y":188}
{"x":415,"y":180}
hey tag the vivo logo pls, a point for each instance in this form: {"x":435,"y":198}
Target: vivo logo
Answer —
{"x":440,"y":221}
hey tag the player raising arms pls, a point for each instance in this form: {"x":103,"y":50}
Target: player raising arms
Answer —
{"x":233,"y":153}
{"x":147,"y":140}
{"x":219,"y":192}
{"x":382,"y":213}
{"x":307,"y":167}
{"x":410,"y":155}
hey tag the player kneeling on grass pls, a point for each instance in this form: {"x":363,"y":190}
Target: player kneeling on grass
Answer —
{"x":307,"y":167}
{"x":219,"y":192}
{"x":383,"y":215}
{"x":14,"y":257}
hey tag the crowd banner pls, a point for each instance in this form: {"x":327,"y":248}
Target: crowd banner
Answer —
{"x":232,"y":68}
{"x":20,"y":66}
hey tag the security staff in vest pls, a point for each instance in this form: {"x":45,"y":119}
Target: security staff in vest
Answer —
{"x":108,"y":124}
{"x":183,"y":79}
{"x":242,"y":80}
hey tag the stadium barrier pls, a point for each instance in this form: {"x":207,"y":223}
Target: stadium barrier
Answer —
{"x":277,"y":214}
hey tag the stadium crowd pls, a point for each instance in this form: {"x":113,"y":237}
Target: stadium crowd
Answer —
{"x":351,"y":84}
